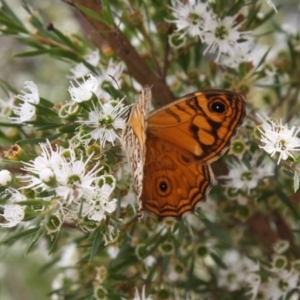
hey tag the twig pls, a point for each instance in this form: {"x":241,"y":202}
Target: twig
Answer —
{"x":137,"y":67}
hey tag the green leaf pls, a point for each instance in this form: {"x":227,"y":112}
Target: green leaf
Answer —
{"x":11,"y":14}
{"x":69,"y":128}
{"x":32,"y":141}
{"x":91,"y":13}
{"x":218,"y":260}
{"x":4,"y":124}
{"x":215,"y":231}
{"x":296,"y":182}
{"x":107,"y":13}
{"x":35,"y":202}
{"x":286,"y":200}
{"x":54,"y":241}
{"x":66,"y":40}
{"x":32,"y":53}
{"x":36,"y":237}
{"x":233,"y":9}
{"x":8,"y":89}
{"x":262,"y":60}
{"x":20,"y":235}
{"x":97,"y":242}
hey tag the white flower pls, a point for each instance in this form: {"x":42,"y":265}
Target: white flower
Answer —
{"x":112,"y":251}
{"x":69,"y":256}
{"x":238,"y":269}
{"x":106,"y":119}
{"x":68,"y":259}
{"x":74,"y":181}
{"x":280,"y":284}
{"x":13,"y":213}
{"x":143,"y":295}
{"x":240,"y":54}
{"x":240,"y":177}
{"x":149,"y":261}
{"x":190,"y":18}
{"x":84,"y":91}
{"x":26,"y":111}
{"x":81,"y":69}
{"x":223,"y":36}
{"x":253,"y":281}
{"x":99,"y":203}
{"x":278,"y":138}
{"x":57,"y":284}
{"x":43,"y":168}
{"x":5,"y":177}
{"x":47,"y":175}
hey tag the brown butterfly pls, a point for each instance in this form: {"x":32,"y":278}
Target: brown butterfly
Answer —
{"x":170,"y":149}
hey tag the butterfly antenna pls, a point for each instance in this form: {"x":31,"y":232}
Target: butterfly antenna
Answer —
{"x":113,"y":78}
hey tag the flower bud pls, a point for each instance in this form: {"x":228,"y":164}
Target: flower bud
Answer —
{"x":5,"y":177}
{"x":53,"y":224}
{"x":16,"y":153}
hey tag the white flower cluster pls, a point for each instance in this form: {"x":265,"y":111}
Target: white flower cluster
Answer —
{"x":79,"y":187}
{"x":247,"y":177}
{"x":242,"y":272}
{"x":13,"y":213}
{"x":279,"y":139}
{"x":112,"y":73}
{"x":196,"y":19}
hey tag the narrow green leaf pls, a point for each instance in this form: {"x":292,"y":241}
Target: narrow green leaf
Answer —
{"x":217,"y":232}
{"x":286,"y":200}
{"x":19,"y":235}
{"x":263,"y":58}
{"x":91,"y":13}
{"x":32,"y":141}
{"x":69,"y":128}
{"x":4,"y":124}
{"x":11,"y":14}
{"x":107,"y":13}
{"x":32,"y":53}
{"x":35,"y":202}
{"x":53,"y":244}
{"x":66,"y":40}
{"x":48,"y":126}
{"x":8,"y":89}
{"x":36,"y":237}
{"x":233,"y":9}
{"x":218,"y":260}
{"x":296,"y":182}
{"x":97,"y":242}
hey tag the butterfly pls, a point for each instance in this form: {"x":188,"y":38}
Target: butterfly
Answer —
{"x":170,"y":149}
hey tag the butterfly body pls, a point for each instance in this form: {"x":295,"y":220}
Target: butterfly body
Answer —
{"x":179,"y":142}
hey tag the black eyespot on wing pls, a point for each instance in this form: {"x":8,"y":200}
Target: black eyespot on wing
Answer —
{"x":163,"y":186}
{"x":217,"y":106}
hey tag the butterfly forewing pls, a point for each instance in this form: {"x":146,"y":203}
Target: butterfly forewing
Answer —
{"x":199,"y":125}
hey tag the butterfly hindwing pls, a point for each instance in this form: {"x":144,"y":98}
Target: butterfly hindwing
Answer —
{"x":173,"y":184}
